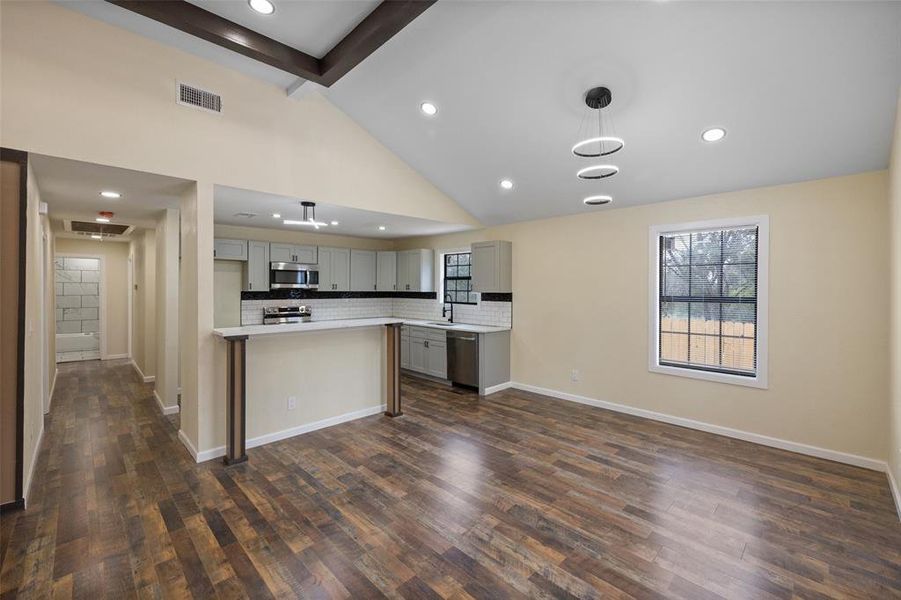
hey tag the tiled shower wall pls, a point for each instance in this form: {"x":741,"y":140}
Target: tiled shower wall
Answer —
{"x":498,"y":314}
{"x":77,"y":308}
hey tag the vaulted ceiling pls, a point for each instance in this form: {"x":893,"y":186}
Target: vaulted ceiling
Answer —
{"x":804,"y":91}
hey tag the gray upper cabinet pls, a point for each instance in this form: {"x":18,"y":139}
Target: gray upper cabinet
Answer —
{"x":334,"y":269}
{"x":492,"y":267}
{"x":257,"y":266}
{"x":224,"y":249}
{"x":386,"y":271}
{"x":279,"y":252}
{"x":362,"y":270}
{"x":415,"y":270}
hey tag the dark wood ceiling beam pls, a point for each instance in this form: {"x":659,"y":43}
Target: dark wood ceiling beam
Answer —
{"x":378,"y":27}
{"x":191,"y":19}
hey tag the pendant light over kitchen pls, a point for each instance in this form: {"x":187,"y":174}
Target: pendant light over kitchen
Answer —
{"x":597,"y":139}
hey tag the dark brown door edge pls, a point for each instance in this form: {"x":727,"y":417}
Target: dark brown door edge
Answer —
{"x":21,"y":158}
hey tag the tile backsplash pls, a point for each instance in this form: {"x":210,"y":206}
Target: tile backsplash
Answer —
{"x":499,"y":314}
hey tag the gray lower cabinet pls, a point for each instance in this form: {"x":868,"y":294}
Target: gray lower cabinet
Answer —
{"x":426,"y":351}
{"x":362,"y":270}
{"x":257,"y":266}
{"x":334,"y":269}
{"x":279,"y":252}
{"x":224,"y":249}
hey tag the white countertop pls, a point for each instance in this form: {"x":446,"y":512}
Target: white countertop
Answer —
{"x":260,"y":330}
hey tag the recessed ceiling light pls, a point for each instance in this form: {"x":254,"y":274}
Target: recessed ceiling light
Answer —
{"x":264,"y":7}
{"x":428,"y":109}
{"x":110,"y":194}
{"x":102,"y":220}
{"x":598,"y":200}
{"x":96,"y":236}
{"x":382,"y":228}
{"x":506,"y":184}
{"x":334,"y":223}
{"x":276,"y":216}
{"x":713,"y":135}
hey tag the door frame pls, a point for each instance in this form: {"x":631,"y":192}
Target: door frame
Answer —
{"x":101,"y":290}
{"x":21,"y":158}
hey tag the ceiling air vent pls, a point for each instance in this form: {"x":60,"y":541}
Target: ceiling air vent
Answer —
{"x":198,"y":98}
{"x":87,"y":228}
{"x":245,"y":215}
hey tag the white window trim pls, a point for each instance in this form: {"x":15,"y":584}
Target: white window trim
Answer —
{"x":762,"y":223}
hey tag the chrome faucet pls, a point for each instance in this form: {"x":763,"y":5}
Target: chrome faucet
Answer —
{"x":448,"y":301}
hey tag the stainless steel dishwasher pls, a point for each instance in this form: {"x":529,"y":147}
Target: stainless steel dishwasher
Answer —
{"x":463,"y":357}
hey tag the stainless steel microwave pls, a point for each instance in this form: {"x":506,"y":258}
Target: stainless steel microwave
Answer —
{"x":287,"y":275}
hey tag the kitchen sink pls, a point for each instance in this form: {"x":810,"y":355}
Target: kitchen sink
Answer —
{"x":442,"y":323}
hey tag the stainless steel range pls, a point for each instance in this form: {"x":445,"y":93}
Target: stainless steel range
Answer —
{"x":276,"y":315}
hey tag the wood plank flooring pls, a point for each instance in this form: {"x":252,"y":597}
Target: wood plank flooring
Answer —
{"x":514,"y":496}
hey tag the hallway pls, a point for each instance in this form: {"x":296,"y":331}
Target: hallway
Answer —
{"x":515,"y":496}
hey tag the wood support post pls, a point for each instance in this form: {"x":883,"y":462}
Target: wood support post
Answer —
{"x":392,"y":345}
{"x":236,"y":419}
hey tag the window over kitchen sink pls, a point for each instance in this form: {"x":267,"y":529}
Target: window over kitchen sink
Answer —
{"x":457,"y":287}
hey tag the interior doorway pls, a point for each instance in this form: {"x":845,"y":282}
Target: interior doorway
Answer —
{"x":79,"y":307}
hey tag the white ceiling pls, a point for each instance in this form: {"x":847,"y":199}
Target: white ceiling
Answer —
{"x":72,"y":189}
{"x":805,"y":90}
{"x":312,"y":26}
{"x":351,"y":221}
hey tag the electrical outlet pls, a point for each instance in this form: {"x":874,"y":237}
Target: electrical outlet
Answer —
{"x":292,"y":402}
{"x":574,"y":375}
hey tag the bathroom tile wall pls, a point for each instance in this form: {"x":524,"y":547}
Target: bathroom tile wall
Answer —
{"x":77,"y":307}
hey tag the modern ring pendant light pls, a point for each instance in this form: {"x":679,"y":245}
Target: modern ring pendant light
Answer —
{"x":597,"y":141}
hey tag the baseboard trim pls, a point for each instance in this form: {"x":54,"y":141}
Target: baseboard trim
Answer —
{"x":34,"y":461}
{"x":166,"y":410}
{"x":896,"y":492}
{"x":186,"y":442}
{"x":219,"y":451}
{"x":498,"y":388}
{"x":115,"y":356}
{"x":145,"y":378}
{"x":12,"y":505}
{"x":764,"y":440}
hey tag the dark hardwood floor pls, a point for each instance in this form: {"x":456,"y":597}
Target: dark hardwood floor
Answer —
{"x":514,"y":496}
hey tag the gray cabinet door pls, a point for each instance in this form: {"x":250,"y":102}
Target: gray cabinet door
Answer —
{"x":403,"y":271}
{"x":229,"y":249}
{"x":362,"y":270}
{"x":281,"y":252}
{"x":484,"y":273}
{"x":437,"y":359}
{"x":306,"y":254}
{"x":404,"y":351}
{"x":386,"y":271}
{"x":257,"y":266}
{"x":340,"y":269}
{"x":325,"y":270}
{"x":418,"y":356}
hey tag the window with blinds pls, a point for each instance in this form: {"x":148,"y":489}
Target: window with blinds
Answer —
{"x":707,"y":300}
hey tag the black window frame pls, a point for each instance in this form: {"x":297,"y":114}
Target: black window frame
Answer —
{"x":690,"y":299}
{"x":445,"y":278}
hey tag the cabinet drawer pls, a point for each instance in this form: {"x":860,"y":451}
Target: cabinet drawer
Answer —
{"x":436,"y":335}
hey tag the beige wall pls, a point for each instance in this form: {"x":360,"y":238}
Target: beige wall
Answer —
{"x":115,"y":293}
{"x":228,"y":278}
{"x":143,"y":344}
{"x":895,"y":232}
{"x":263,"y":140}
{"x":580,"y":301}
{"x":166,"y":287}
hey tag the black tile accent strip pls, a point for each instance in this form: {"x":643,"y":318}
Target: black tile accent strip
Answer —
{"x":497,"y":297}
{"x":290,"y":294}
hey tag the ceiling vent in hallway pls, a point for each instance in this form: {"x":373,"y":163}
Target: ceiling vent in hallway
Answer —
{"x":104,"y":229}
{"x":190,"y":95}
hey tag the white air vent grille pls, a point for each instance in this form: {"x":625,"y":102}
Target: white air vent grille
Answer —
{"x":190,"y":95}
{"x":245,"y":215}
